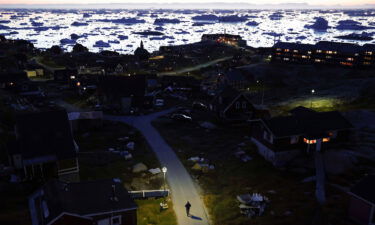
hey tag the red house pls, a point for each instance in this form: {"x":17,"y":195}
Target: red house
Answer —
{"x":362,"y":201}
{"x":102,"y":202}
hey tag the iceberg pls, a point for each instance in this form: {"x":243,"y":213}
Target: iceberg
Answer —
{"x":114,"y":41}
{"x":67,"y":41}
{"x":252,"y":24}
{"x":276,"y":16}
{"x":102,"y":44}
{"x":320,"y":24}
{"x":3,"y":27}
{"x":206,"y":18}
{"x":232,"y":19}
{"x":123,"y":37}
{"x":164,"y":20}
{"x":149,"y":33}
{"x":351,"y":25}
{"x":79,"y":24}
{"x":127,"y":21}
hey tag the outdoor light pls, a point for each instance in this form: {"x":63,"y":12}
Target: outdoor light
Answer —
{"x":72,"y":77}
{"x":78,"y":84}
{"x":164,"y":169}
{"x":312,"y":91}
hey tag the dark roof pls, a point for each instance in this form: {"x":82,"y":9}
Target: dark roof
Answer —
{"x":44,"y":134}
{"x":235,"y":75}
{"x":294,"y":46}
{"x":179,"y":80}
{"x":225,"y":96}
{"x":13,"y":76}
{"x":309,"y":124}
{"x":123,"y":86}
{"x":82,"y":198}
{"x":340,"y":47}
{"x":369,"y":47}
{"x":302,"y":111}
{"x":365,"y":188}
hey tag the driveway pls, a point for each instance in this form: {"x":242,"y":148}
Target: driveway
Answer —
{"x":180,"y":182}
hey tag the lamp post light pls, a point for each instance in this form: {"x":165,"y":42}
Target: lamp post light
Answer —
{"x":164,"y":170}
{"x":312,"y":93}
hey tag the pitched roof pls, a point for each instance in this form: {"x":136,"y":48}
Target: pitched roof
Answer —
{"x":369,"y":47}
{"x":82,"y":198}
{"x":123,"y":86}
{"x":309,"y":124}
{"x":47,"y":133}
{"x":365,"y":188}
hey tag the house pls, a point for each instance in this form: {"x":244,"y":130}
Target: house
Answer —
{"x":64,"y":75}
{"x":10,"y":79}
{"x":368,"y":55}
{"x":362,"y":201}
{"x":127,"y":91}
{"x":34,"y":71}
{"x":229,"y":39}
{"x":101,"y":202}
{"x":235,"y":78}
{"x":230,"y":104}
{"x":280,"y":139}
{"x":44,"y":145}
{"x":326,"y":53}
{"x":85,"y":120}
{"x":293,"y":52}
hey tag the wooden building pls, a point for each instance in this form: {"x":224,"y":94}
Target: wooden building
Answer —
{"x":280,"y":139}
{"x":101,"y":202}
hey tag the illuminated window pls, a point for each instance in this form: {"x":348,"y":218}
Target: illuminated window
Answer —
{"x":286,"y":59}
{"x":307,"y":141}
{"x":319,"y":51}
{"x":368,"y":58}
{"x":366,"y":63}
{"x":286,"y":50}
{"x":368,"y":53}
{"x":278,"y":49}
{"x":350,"y":59}
{"x":326,"y":139}
{"x":296,"y":51}
{"x":329,"y":57}
{"x":318,"y":60}
{"x":309,"y":52}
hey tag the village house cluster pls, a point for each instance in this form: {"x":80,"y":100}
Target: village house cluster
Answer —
{"x":43,"y":145}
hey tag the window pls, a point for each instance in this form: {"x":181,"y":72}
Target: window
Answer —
{"x":307,"y":141}
{"x":296,"y":51}
{"x":116,"y":220}
{"x":319,"y":51}
{"x":244,"y":105}
{"x":350,"y":59}
{"x":326,"y":139}
{"x":238,"y":105}
{"x":268,"y":137}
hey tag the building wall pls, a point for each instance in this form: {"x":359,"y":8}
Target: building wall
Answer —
{"x":127,"y":217}
{"x":359,"y":211}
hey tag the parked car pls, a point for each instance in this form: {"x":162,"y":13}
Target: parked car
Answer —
{"x":159,"y":102}
{"x":199,"y":105}
{"x":181,"y":117}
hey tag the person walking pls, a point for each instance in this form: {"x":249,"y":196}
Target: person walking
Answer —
{"x":187,"y":207}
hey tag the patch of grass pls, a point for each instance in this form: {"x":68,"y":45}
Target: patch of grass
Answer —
{"x":232,"y":177}
{"x":149,"y":213}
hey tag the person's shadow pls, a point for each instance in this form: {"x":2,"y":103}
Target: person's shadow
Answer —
{"x":195,"y":217}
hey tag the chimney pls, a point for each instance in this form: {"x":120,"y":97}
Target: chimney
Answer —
{"x":114,"y":197}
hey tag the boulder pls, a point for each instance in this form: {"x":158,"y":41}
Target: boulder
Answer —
{"x":139,"y":167}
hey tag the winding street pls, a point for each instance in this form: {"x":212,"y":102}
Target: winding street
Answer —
{"x":180,"y":182}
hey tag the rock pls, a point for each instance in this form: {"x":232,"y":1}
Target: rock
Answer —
{"x":130,"y":145}
{"x":139,"y":167}
{"x":155,"y":171}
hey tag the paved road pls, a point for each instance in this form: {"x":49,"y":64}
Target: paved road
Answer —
{"x":179,"y":180}
{"x":196,"y":67}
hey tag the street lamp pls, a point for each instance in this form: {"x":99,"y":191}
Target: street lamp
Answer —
{"x":312,"y":93}
{"x":164,"y":170}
